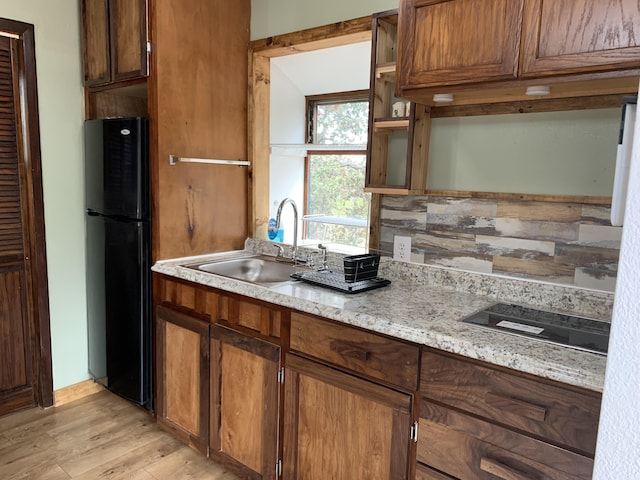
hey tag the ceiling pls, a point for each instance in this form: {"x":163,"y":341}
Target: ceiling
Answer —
{"x":330,"y":70}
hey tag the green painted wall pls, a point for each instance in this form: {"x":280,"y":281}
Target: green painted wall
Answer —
{"x":568,"y":153}
{"x":275,"y":17}
{"x":60,"y":101}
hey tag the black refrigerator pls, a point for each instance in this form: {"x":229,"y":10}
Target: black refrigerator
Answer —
{"x":119,"y":255}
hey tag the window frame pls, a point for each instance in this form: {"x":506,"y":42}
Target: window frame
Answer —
{"x":311,"y":101}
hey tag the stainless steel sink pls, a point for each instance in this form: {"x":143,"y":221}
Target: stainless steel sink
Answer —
{"x":258,"y":269}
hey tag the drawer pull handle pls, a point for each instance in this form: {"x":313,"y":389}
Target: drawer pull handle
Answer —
{"x":347,"y":350}
{"x":500,"y":470}
{"x":518,"y":407}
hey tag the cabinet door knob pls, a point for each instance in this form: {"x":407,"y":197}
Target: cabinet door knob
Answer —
{"x":348,"y":350}
{"x":516,"y":406}
{"x":500,"y":470}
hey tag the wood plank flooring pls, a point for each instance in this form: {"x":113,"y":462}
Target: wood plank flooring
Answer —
{"x":98,"y":437}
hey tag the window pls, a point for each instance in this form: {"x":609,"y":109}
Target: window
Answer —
{"x":336,"y":207}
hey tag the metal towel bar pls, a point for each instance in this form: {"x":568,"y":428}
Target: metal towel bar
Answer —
{"x":174,"y":159}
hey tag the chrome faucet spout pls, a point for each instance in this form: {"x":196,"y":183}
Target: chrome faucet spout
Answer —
{"x":295,"y":223}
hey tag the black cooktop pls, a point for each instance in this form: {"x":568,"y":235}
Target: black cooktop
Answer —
{"x":575,"y":332}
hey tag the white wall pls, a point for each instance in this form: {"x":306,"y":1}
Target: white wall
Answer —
{"x":60,"y":101}
{"x":617,"y":455}
{"x":286,"y":123}
{"x":339,"y":69}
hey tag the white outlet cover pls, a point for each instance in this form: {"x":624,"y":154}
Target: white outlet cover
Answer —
{"x":402,"y":248}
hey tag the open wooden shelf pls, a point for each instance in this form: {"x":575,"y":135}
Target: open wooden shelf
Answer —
{"x":401,"y":123}
{"x":386,"y":71}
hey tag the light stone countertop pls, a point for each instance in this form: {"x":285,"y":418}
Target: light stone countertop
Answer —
{"x":424,"y":307}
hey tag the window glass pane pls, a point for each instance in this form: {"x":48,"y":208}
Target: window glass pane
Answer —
{"x":343,"y":123}
{"x":336,"y":201}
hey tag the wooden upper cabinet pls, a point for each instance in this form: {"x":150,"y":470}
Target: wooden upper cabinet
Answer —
{"x":488,"y":51}
{"x":580,"y":36}
{"x":95,"y":45}
{"x":114,"y":40}
{"x":128,"y":33}
{"x":453,"y":42}
{"x":198,"y":107}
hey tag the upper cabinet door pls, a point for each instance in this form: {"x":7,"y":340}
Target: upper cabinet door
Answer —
{"x":114,"y":40}
{"x":95,"y":45}
{"x":128,"y":24}
{"x":579,"y":36}
{"x":453,"y":42}
{"x":199,"y":110}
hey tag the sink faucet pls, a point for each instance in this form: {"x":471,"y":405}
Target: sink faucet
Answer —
{"x":294,"y":254}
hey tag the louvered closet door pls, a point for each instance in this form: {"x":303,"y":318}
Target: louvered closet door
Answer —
{"x":16,"y":366}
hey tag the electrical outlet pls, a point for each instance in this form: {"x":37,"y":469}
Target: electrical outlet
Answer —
{"x":402,"y":248}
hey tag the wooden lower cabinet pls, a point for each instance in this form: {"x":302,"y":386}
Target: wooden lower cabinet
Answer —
{"x":559,"y":414}
{"x":342,"y":427}
{"x":364,"y":353}
{"x":469,"y":448}
{"x":244,"y":403}
{"x":479,"y":421}
{"x":182,"y":375}
{"x":425,"y":473}
{"x":345,"y":409}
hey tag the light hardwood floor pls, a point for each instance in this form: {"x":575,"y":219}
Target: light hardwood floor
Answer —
{"x":98,"y":437}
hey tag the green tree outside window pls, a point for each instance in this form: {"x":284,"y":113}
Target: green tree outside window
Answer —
{"x":335,"y":180}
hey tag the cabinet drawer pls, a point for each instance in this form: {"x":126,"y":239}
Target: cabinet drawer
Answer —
{"x":561,"y":415}
{"x":185,"y":296}
{"x":250,"y":315}
{"x":425,"y":473}
{"x":469,"y":448}
{"x":363,"y":352}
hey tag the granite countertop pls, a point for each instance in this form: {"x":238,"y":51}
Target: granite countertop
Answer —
{"x":425,"y":305}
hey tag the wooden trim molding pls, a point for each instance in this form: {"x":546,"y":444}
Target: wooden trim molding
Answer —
{"x":260,"y":54}
{"x":28,"y":126}
{"x":76,"y":392}
{"x":530,"y":106}
{"x":326,"y":36}
{"x":581,"y":199}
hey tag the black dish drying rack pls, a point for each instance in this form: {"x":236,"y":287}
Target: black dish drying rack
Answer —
{"x":360,"y":275}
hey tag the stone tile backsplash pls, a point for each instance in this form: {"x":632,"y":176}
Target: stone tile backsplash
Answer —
{"x":563,"y":243}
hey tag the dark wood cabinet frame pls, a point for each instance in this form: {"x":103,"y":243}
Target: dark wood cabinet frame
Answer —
{"x":28,"y":134}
